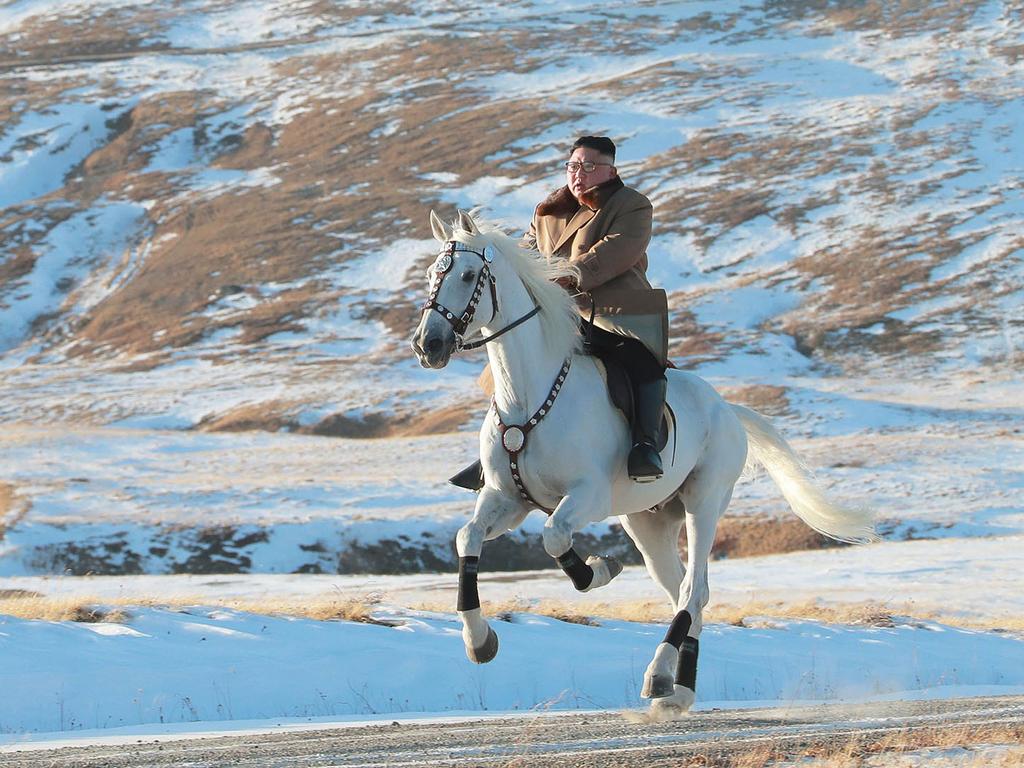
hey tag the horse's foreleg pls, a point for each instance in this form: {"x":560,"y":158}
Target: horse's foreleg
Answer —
{"x":494,"y":515}
{"x":577,"y":509}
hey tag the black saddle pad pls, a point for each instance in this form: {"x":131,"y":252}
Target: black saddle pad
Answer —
{"x":620,"y":389}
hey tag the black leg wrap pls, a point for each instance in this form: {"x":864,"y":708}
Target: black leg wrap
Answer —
{"x":469,"y":597}
{"x":686,"y":670}
{"x":678,"y":629}
{"x":580,"y":573}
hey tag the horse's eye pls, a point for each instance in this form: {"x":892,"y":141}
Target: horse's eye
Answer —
{"x":467,"y":276}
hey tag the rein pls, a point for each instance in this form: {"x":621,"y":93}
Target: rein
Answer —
{"x":460,"y":322}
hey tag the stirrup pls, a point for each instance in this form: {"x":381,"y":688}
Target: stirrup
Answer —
{"x":471,"y":478}
{"x":644,"y":463}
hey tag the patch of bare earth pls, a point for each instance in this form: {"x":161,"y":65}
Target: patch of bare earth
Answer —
{"x":752,"y":536}
{"x":276,"y":417}
{"x":12,"y":507}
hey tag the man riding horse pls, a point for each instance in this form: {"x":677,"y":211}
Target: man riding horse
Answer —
{"x":603,"y":227}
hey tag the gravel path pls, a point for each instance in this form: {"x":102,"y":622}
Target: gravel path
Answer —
{"x":565,"y":740}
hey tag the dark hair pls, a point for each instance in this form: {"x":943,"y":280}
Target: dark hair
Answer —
{"x":602,"y":144}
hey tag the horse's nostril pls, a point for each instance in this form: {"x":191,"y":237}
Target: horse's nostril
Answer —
{"x":433,"y":345}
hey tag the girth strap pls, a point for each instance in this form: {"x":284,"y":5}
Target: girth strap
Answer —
{"x":513,"y":436}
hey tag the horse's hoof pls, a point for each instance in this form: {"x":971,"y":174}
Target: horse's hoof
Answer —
{"x":605,"y":569}
{"x":658,"y":687}
{"x":485,"y":652}
{"x":614,"y":567}
{"x":672,"y":707}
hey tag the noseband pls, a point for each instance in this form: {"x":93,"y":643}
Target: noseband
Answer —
{"x":460,"y":321}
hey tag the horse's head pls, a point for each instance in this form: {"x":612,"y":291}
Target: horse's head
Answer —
{"x":462,"y":292}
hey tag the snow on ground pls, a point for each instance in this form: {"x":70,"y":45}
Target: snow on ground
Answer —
{"x":204,"y":664}
{"x":215,"y":664}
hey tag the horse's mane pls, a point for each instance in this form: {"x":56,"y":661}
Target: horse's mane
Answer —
{"x":538,"y":272}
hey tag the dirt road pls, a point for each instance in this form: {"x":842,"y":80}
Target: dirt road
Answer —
{"x":565,"y":740}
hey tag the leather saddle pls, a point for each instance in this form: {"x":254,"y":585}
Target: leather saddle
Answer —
{"x":620,"y":390}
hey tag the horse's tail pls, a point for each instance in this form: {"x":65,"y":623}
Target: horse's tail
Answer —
{"x":768,"y":448}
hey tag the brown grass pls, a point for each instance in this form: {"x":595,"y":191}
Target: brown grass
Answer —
{"x":759,"y":614}
{"x":864,"y":613}
{"x":370,"y":425}
{"x":12,"y":507}
{"x":766,"y":399}
{"x":752,"y":614}
{"x":274,"y":416}
{"x":23,"y":604}
{"x":29,"y":605}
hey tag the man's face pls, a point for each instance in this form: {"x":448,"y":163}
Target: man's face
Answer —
{"x":579,"y":180}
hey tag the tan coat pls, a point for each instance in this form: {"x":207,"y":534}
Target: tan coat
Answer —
{"x":607,"y":239}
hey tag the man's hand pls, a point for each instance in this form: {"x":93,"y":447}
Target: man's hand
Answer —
{"x":569,"y":283}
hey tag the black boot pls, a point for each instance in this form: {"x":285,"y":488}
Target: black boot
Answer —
{"x":644,"y":461}
{"x":471,"y":478}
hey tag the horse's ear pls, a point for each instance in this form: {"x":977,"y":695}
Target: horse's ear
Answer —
{"x":441,"y":232}
{"x":466,"y":223}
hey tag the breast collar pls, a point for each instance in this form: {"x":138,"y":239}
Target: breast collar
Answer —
{"x":513,"y":436}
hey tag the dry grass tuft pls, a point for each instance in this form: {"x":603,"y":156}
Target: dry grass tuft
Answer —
{"x":752,"y":614}
{"x":505,"y":610}
{"x":25,"y":604}
{"x":869,"y":614}
{"x":583,"y":612}
{"x":22,"y":604}
{"x":28,"y":605}
{"x":12,"y":507}
{"x":358,"y":609}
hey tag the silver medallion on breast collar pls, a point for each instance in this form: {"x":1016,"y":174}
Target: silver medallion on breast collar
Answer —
{"x":513,"y":439}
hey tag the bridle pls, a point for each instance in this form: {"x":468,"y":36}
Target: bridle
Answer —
{"x":513,"y":436}
{"x":460,"y":320}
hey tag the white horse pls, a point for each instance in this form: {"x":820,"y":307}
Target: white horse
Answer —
{"x":553,"y":440}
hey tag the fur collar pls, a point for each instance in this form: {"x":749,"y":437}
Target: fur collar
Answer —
{"x":562,"y":202}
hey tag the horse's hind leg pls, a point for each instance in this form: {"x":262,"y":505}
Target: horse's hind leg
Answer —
{"x":656,"y":535}
{"x":706,"y":498}
{"x":495,"y":514}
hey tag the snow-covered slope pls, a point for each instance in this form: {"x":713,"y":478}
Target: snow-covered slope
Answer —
{"x":214,"y":216}
{"x":835,"y":189}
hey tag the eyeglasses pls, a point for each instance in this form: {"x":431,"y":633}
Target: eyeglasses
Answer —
{"x":588,"y":167}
